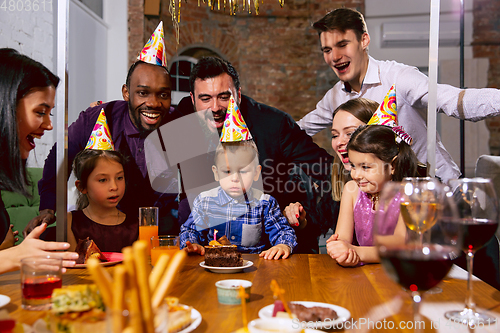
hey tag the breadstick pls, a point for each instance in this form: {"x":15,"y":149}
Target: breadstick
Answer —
{"x":142,"y":269}
{"x":119,"y":298}
{"x":157,"y":272}
{"x":167,"y":278}
{"x":133,"y":290}
{"x":102,"y":279}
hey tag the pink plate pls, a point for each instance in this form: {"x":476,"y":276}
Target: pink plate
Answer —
{"x":113,"y":258}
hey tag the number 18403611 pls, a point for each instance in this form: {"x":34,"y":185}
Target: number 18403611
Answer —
{"x":26,"y":5}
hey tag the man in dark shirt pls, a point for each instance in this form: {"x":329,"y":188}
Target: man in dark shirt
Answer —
{"x":281,"y":143}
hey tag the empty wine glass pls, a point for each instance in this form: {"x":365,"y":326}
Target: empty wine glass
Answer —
{"x":478,"y":218}
{"x":415,"y":264}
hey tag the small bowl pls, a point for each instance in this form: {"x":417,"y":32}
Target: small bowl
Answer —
{"x":227,"y":290}
{"x":267,"y":325}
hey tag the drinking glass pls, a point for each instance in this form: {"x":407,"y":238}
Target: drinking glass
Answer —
{"x":419,"y":209}
{"x":478,"y":211}
{"x":420,"y":200}
{"x":39,"y":277}
{"x":415,"y":264}
{"x":168,"y":244}
{"x":148,"y":224}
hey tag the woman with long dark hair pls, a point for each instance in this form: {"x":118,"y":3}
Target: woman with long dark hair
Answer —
{"x":27,"y":93}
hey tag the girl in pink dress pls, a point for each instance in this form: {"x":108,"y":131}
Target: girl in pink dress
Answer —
{"x":377,"y":156}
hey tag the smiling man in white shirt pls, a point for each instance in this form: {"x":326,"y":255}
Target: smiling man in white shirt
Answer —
{"x":344,"y":42}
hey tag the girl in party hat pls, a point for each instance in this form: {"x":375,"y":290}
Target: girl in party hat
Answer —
{"x":100,"y":175}
{"x":377,"y":154}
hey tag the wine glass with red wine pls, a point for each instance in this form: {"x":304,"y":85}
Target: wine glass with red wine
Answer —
{"x":478,"y":211}
{"x":416,"y":264}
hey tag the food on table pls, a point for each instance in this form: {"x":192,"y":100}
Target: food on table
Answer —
{"x":179,"y":316}
{"x":86,"y":248}
{"x":278,"y":307}
{"x":9,"y":325}
{"x":76,"y":308}
{"x":137,"y":289}
{"x":76,"y":298}
{"x":222,"y":253}
{"x":304,"y":313}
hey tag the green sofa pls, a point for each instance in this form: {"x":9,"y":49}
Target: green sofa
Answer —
{"x":21,"y":209}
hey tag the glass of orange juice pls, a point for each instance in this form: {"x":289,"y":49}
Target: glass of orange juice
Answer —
{"x":148,"y":224}
{"x":168,"y":244}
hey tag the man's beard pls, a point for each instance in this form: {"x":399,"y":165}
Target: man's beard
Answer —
{"x":136,"y":119}
{"x":205,"y":122}
{"x":206,"y":119}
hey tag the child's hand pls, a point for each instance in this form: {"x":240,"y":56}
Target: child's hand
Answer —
{"x":296,"y":215}
{"x":343,"y":252}
{"x":10,"y":238}
{"x":194,"y":248}
{"x":276,"y":252}
{"x":348,"y":258}
{"x":332,"y":238}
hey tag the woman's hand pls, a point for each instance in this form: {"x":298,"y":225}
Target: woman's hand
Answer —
{"x":33,"y":246}
{"x":296,"y":215}
{"x":46,"y":216}
{"x":276,"y":252}
{"x":10,"y":239}
{"x":194,"y":248}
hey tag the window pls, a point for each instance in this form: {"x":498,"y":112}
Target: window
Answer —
{"x":94,"y":5}
{"x":180,"y":69}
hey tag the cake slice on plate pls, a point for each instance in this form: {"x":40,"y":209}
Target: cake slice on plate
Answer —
{"x":86,"y":248}
{"x":222,"y":253}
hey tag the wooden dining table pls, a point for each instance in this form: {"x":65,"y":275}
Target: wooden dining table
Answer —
{"x":371,"y":297}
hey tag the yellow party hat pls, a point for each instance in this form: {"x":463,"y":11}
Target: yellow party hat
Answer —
{"x":235,"y":128}
{"x":387,"y":115}
{"x":387,"y":112}
{"x":154,"y":50}
{"x":100,"y":138}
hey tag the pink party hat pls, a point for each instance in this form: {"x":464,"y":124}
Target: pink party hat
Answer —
{"x":235,"y":128}
{"x":100,"y":138}
{"x":154,"y":50}
{"x":387,"y":115}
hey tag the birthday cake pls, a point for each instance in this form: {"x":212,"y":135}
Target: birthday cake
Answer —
{"x":222,"y":253}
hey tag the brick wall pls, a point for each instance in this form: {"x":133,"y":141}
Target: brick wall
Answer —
{"x":277,"y":53}
{"x":31,"y":33}
{"x":135,"y":29}
{"x":486,"y":44}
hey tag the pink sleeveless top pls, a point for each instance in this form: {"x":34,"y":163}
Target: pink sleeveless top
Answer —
{"x":364,"y":217}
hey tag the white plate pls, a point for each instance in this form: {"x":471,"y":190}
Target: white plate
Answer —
{"x":4,"y":300}
{"x":227,"y":270}
{"x":196,"y":321}
{"x":342,"y":313}
{"x":40,"y":326}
